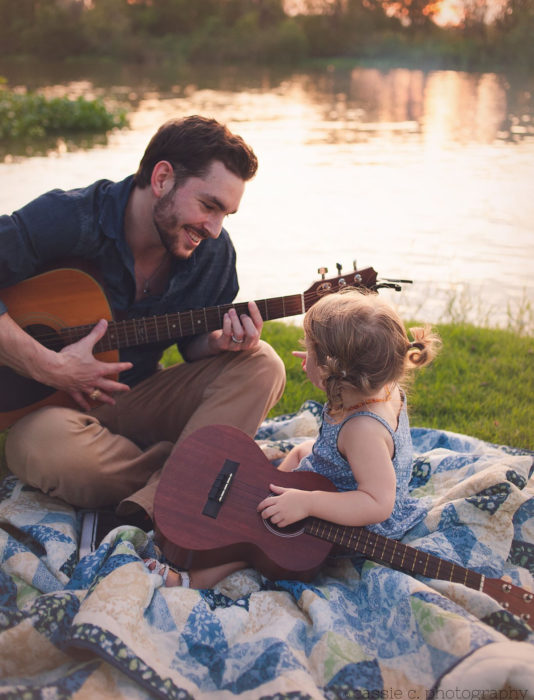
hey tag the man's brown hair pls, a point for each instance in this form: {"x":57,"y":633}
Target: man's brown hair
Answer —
{"x":191,"y":144}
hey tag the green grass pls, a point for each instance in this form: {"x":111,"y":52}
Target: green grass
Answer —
{"x":481,"y":383}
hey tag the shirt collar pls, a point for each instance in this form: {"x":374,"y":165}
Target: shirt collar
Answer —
{"x":115,"y":199}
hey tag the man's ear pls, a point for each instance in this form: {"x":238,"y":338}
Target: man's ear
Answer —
{"x":162,"y":179}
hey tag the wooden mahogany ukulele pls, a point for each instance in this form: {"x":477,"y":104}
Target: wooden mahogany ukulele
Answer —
{"x":59,"y":307}
{"x":205,"y":515}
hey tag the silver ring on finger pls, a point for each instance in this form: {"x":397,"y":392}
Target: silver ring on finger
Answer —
{"x":236,"y":340}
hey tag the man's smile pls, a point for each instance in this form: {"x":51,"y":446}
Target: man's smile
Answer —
{"x":194,"y":235}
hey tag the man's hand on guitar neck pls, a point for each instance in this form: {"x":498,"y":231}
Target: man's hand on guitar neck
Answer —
{"x":237,"y":334}
{"x":74,"y":369}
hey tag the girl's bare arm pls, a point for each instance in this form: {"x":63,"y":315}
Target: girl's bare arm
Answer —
{"x":292,"y":460}
{"x":367,"y":446}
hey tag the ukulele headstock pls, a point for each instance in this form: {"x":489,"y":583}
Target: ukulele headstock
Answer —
{"x":516,"y":600}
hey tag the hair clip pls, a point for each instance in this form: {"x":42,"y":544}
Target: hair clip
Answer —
{"x":416,"y":346}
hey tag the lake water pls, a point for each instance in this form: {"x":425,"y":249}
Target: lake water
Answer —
{"x":423,"y":175}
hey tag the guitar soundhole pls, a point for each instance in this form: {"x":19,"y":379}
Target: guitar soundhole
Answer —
{"x":46,"y":335}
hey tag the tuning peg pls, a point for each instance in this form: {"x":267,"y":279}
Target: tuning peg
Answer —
{"x":339,"y":268}
{"x":354,"y":266}
{"x":322,"y":271}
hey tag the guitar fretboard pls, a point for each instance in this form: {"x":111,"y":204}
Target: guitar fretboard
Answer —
{"x":153,"y":329}
{"x":395,"y":554}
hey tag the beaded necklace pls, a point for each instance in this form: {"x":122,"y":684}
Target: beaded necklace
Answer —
{"x":356,"y":406}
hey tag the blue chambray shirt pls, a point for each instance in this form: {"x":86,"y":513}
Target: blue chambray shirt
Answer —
{"x":88,"y":223}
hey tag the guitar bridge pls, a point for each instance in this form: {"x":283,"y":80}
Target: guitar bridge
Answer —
{"x":219,"y":488}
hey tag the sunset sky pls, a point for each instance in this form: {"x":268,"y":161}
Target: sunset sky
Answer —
{"x":450,"y":11}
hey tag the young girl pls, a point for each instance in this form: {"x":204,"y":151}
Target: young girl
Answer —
{"x":358,"y":353}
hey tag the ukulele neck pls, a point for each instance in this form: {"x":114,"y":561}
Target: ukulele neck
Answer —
{"x":392,"y":553}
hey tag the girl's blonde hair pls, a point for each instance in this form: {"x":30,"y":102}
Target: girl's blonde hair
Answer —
{"x":359,"y":341}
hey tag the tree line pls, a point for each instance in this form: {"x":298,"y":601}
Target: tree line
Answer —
{"x":486,"y":32}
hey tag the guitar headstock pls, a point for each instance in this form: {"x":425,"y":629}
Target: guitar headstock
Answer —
{"x":366,"y":277}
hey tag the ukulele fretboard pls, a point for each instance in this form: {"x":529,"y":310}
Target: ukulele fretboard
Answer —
{"x":393,"y":553}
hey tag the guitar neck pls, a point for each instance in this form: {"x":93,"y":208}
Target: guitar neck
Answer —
{"x":393,"y":553}
{"x":173,"y":326}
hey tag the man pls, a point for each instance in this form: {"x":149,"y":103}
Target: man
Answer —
{"x":158,"y":242}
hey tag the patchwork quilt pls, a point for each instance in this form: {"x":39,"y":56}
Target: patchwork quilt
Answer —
{"x":104,"y":626}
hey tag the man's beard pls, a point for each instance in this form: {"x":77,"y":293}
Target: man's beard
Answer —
{"x":165,"y":222}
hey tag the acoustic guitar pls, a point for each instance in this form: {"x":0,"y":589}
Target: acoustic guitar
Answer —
{"x":205,"y":514}
{"x":59,"y":307}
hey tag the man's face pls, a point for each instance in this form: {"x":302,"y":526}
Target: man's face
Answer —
{"x":194,"y":211}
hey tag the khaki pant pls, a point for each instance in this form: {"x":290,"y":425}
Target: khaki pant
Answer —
{"x":115,"y":454}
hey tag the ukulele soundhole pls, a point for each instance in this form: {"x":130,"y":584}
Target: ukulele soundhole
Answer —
{"x":293,"y":530}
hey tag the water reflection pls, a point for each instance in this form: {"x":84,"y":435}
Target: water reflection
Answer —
{"x":422,"y":175}
{"x":443,"y":106}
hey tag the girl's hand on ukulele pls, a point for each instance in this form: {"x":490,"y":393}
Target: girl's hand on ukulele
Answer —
{"x":287,"y":506}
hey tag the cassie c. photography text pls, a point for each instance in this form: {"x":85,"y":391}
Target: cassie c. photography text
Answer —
{"x":445,"y":694}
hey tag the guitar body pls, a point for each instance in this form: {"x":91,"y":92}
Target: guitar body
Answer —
{"x":60,"y":307}
{"x":48,"y":303}
{"x":234,"y":531}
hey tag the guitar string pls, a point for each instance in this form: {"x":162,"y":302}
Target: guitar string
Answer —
{"x":159,"y":323}
{"x":132,"y":325}
{"x":191,"y":321}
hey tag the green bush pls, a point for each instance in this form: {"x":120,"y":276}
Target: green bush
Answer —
{"x":33,"y":116}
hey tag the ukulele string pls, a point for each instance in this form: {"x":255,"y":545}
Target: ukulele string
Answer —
{"x":369,"y":544}
{"x":383,"y":549}
{"x":356,"y":539}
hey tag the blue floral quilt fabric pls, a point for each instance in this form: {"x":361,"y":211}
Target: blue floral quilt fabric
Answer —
{"x":104,"y":626}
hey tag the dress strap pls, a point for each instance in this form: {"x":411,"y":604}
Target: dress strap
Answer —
{"x":371,"y":415}
{"x":384,"y":422}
